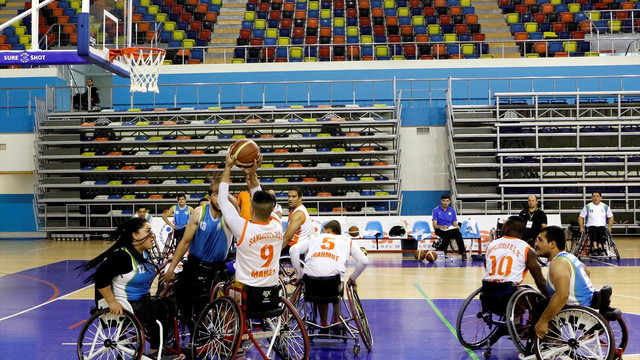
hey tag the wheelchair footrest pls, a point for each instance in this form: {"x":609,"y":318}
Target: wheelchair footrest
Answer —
{"x":611,"y":314}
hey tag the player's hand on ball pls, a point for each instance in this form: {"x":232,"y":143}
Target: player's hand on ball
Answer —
{"x":230,"y":159}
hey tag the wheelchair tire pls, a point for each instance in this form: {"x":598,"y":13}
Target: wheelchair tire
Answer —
{"x":572,"y":335}
{"x":292,"y":343}
{"x":217,"y":331}
{"x":579,"y":245}
{"x":362,"y":323}
{"x":621,"y":336}
{"x":475,"y":326}
{"x":519,"y":315}
{"x":111,"y":337}
{"x":612,"y":246}
{"x":288,"y":275}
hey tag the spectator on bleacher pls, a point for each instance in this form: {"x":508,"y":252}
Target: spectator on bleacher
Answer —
{"x":89,"y":99}
{"x":299,"y":224}
{"x":445,"y":223}
{"x":599,"y":220}
{"x":142,"y":213}
{"x":277,"y":208}
{"x":180,"y":213}
{"x":535,"y":218}
{"x":244,"y":201}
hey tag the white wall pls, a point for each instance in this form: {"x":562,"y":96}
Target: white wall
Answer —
{"x":423,"y":158}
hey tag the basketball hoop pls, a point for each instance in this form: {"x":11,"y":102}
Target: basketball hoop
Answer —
{"x":143,"y":63}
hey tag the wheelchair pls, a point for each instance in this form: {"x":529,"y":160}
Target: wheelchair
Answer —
{"x":250,"y":315}
{"x":582,"y":247}
{"x":578,"y":332}
{"x":483,"y":320}
{"x":117,"y":337}
{"x":353,"y":323}
{"x":287,"y":275}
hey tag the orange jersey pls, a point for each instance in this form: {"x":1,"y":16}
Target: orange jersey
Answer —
{"x":244,"y":201}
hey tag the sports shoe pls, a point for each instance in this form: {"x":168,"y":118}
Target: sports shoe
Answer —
{"x":522,"y":356}
{"x":464,"y":257}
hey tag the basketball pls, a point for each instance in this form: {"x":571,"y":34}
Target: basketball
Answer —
{"x":420,"y":255}
{"x":431,"y":256}
{"x":354,"y":231}
{"x":245,"y":152}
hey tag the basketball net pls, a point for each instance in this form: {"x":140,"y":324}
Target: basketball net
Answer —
{"x":143,"y":63}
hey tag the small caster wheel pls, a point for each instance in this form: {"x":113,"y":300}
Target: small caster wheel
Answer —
{"x":356,"y":349}
{"x":487,"y":353}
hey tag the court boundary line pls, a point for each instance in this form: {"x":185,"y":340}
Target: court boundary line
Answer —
{"x":41,"y":305}
{"x":444,"y":320}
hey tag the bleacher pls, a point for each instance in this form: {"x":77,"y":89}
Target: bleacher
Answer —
{"x":359,"y":30}
{"x":560,"y":146}
{"x":94,"y":169}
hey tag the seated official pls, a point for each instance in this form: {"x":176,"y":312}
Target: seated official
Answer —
{"x":326,"y":255}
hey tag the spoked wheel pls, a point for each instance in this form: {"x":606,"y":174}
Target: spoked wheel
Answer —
{"x":292,"y":343}
{"x":620,"y":335}
{"x":579,"y":246}
{"x":475,"y":326}
{"x":288,"y":275}
{"x":360,"y":318}
{"x":519,"y":315}
{"x":111,"y":337}
{"x":217,"y":331}
{"x":576,"y":333}
{"x":612,"y":248}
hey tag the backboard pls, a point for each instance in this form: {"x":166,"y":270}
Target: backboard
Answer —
{"x":101,"y":25}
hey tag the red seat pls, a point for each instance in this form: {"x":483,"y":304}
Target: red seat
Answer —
{"x":478,"y":37}
{"x":406,"y":30}
{"x":429,"y":10}
{"x":472,"y":18}
{"x":177,"y":9}
{"x":186,"y":17}
{"x":205,"y":34}
{"x":577,"y":34}
{"x":461,"y":28}
{"x":539,"y":17}
{"x":445,"y":19}
{"x":409,"y":50}
{"x":275,"y":14}
{"x":392,"y":21}
{"x":298,"y":31}
{"x":521,"y":9}
{"x":195,"y":25}
{"x":263,"y":6}
{"x":558,"y":27}
{"x":211,"y":16}
{"x":394,"y":38}
{"x":301,"y":14}
{"x":455,"y":10}
{"x":353,"y":51}
{"x":365,"y":21}
{"x":379,"y":30}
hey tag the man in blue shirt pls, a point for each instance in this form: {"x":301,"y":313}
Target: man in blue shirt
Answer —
{"x":445,"y":222}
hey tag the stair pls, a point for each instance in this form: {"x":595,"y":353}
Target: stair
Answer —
{"x":494,"y":27}
{"x":10,"y":10}
{"x":226,"y":31}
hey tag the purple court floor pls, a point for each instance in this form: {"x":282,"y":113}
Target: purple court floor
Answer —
{"x":35,"y":323}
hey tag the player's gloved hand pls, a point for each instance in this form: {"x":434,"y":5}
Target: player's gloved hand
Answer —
{"x":352,"y":283}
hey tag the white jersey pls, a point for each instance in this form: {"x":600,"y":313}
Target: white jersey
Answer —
{"x":327,"y":255}
{"x":306,"y":228}
{"x":259,"y":244}
{"x":506,"y":260}
{"x":596,"y":215}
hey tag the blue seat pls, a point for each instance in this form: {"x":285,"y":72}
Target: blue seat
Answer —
{"x":516,"y":28}
{"x":421,"y":230}
{"x":373,"y":229}
{"x":338,"y":31}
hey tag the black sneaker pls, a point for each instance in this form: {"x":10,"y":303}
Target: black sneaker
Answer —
{"x":464,"y":257}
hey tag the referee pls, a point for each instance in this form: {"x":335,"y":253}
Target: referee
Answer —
{"x":535,"y":219}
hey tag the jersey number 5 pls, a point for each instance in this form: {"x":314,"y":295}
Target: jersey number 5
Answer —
{"x":327,"y":244}
{"x":503,"y":269}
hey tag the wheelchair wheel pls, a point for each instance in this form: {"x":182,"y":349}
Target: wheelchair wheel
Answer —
{"x":519,"y":315}
{"x":217,"y":332}
{"x":578,"y":333}
{"x":475,"y":326}
{"x":108,"y":336}
{"x":360,"y":318}
{"x":620,"y":335}
{"x":288,"y":275}
{"x":292,"y":343}
{"x":578,"y":247}
{"x":612,"y":248}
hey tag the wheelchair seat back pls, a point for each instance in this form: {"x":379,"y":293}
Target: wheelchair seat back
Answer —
{"x":322,"y":290}
{"x":495,"y":296}
{"x":258,"y":302}
{"x":602,"y":302}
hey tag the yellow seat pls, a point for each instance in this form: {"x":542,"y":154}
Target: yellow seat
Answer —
{"x":101,"y":168}
{"x":188,"y":43}
{"x":338,"y":149}
{"x":531,"y":27}
{"x":296,"y":52}
{"x":183,"y":167}
{"x":250,"y":15}
{"x":549,"y":35}
{"x":533,"y":55}
{"x":260,"y":24}
{"x":512,"y":18}
{"x":468,"y":49}
{"x":145,"y":3}
{"x":272,"y":33}
{"x":366,"y":39}
{"x":388,"y":4}
{"x":338,"y":22}
{"x":570,"y":46}
{"x":25,"y":39}
{"x":177,"y":35}
{"x":197,"y":181}
{"x":615,"y":25}
{"x":237,"y":61}
{"x":267,"y":166}
{"x":450,"y":37}
{"x":310,"y":59}
{"x":171,"y":152}
{"x":434,"y":29}
{"x":155,"y":138}
{"x":167,"y":62}
{"x":325,"y":14}
{"x":487,"y":56}
{"x":465,"y":2}
{"x":352,"y":31}
{"x":403,"y":11}
{"x":115,"y":182}
{"x":284,"y":41}
{"x":169,"y":25}
{"x":593,"y":15}
{"x":382,"y":50}
{"x":574,"y":7}
{"x":591,"y":53}
{"x":153,"y":9}
{"x":128,"y":197}
{"x":314,"y":5}
{"x":20,"y":30}
{"x":161,"y":17}
{"x":309,"y":120}
{"x":417,"y":20}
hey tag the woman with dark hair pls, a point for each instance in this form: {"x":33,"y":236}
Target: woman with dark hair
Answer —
{"x":123,"y":275}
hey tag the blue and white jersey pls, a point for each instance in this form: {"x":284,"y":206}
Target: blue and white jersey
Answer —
{"x":580,"y":287}
{"x":210,"y":243}
{"x":444,"y":217}
{"x":135,"y":284}
{"x":596,"y":215}
{"x":180,"y":216}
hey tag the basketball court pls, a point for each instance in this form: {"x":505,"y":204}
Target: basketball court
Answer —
{"x":411,"y":306}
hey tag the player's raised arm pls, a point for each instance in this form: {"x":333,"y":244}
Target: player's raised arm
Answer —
{"x":232,"y":218}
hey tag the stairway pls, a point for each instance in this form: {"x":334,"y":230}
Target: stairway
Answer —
{"x":495,"y":29}
{"x":226,"y":31}
{"x":10,"y":10}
